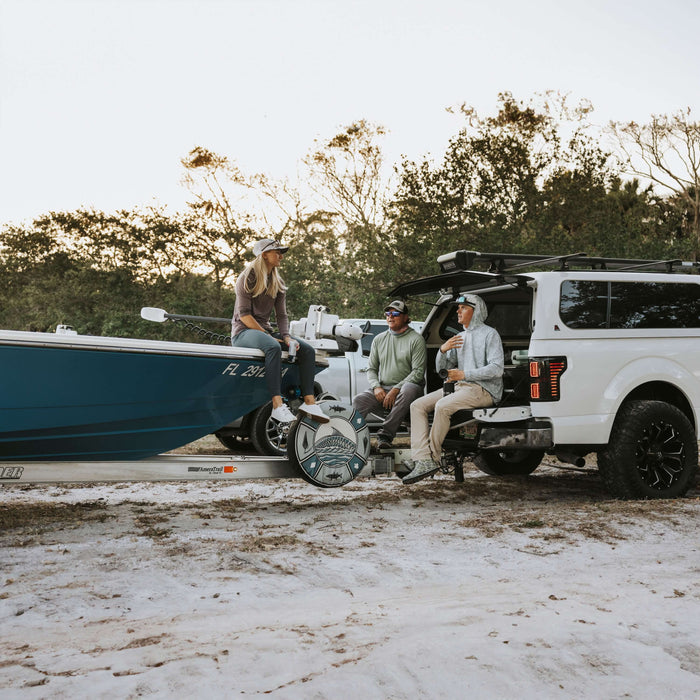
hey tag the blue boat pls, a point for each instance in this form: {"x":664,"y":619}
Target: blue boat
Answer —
{"x":66,"y":397}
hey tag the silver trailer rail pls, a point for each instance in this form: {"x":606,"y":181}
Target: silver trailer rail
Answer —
{"x":177,"y":468}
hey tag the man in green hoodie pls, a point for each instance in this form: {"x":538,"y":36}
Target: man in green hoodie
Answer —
{"x":396,"y":372}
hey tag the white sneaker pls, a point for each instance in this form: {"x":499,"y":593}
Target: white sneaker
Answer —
{"x":423,"y":468}
{"x":314,"y":412}
{"x":282,"y":414}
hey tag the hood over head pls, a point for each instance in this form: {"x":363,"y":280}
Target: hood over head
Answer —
{"x":480,"y":311}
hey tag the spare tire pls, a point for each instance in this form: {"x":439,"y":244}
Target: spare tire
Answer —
{"x":329,"y":454}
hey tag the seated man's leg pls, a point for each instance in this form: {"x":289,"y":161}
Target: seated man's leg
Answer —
{"x":420,"y":408}
{"x":366,"y":402}
{"x":465,"y":396}
{"x":407,"y":395}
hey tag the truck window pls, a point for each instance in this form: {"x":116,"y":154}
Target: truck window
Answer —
{"x":511,"y":320}
{"x":584,"y":304}
{"x":373,"y":329}
{"x":626,"y":305}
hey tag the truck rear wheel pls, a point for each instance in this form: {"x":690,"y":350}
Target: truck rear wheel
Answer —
{"x":508,"y":462}
{"x":269,"y":437}
{"x":232,"y":442}
{"x":652,"y":452}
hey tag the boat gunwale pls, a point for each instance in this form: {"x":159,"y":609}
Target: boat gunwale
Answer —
{"x":109,"y":343}
{"x":133,"y":345}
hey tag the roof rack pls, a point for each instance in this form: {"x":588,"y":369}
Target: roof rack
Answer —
{"x":502,"y":263}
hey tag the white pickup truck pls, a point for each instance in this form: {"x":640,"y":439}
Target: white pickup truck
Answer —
{"x":345,"y":377}
{"x":602,"y":356}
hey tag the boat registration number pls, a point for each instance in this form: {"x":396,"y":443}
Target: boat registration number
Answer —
{"x":249,"y":371}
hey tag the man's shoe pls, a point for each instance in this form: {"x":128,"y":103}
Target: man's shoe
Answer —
{"x":405,"y":468}
{"x":314,"y":412}
{"x":423,"y":469}
{"x":384,"y":442}
{"x":282,"y":414}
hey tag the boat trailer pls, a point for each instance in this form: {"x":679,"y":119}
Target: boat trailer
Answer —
{"x":175,"y":467}
{"x":324,"y":454}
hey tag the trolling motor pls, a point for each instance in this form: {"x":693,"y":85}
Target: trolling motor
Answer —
{"x":324,"y":330}
{"x":150,"y":313}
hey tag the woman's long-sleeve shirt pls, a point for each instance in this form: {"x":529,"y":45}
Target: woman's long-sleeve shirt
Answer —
{"x":260,"y":307}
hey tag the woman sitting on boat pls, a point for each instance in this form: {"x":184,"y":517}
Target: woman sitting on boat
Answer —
{"x":259,"y":290}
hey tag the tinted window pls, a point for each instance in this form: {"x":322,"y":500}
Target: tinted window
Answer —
{"x":654,"y":305}
{"x":373,"y":329}
{"x":630,"y":304}
{"x":584,"y":304}
{"x":509,"y":319}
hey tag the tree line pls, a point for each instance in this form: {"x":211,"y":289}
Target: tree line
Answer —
{"x":535,"y":177}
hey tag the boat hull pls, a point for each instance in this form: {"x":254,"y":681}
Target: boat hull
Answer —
{"x":82,"y":398}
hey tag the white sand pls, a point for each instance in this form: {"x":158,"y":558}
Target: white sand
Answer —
{"x":530,"y":588}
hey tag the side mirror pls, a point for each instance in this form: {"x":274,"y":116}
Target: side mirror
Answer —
{"x":150,"y":313}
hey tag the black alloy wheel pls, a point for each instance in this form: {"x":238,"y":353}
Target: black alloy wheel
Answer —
{"x":652,"y":452}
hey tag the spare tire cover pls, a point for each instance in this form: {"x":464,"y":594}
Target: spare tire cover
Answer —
{"x":330,"y":454}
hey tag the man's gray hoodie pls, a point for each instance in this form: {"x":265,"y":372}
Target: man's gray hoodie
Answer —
{"x":481,"y":354}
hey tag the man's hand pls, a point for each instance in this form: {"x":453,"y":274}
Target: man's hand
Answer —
{"x":390,"y":398}
{"x":456,"y":341}
{"x":455,"y":375}
{"x":379,"y":394}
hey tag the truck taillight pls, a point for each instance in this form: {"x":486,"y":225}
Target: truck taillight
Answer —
{"x":544,"y":377}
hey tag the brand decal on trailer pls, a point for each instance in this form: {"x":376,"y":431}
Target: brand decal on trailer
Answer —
{"x":11,"y":473}
{"x":228,"y":469}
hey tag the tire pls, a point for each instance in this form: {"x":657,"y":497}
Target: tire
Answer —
{"x":508,"y":462}
{"x":269,"y":437}
{"x":331,"y":454}
{"x":231,"y":442}
{"x":652,"y":453}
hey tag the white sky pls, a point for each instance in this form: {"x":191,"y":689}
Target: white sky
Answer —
{"x":99,"y":99}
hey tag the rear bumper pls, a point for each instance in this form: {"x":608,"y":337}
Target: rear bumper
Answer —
{"x":532,"y":434}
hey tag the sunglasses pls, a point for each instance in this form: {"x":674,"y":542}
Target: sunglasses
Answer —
{"x":275,"y":246}
{"x":393,"y":314}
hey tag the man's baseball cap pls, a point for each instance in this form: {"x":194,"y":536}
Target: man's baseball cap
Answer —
{"x":397,"y":305}
{"x":467,"y":299}
{"x":266,"y":244}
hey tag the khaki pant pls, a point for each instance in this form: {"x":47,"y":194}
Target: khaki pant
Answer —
{"x":428,"y":444}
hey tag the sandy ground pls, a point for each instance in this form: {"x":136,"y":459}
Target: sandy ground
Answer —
{"x":536,"y":587}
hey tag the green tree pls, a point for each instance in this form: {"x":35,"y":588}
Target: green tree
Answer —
{"x":666,"y":152}
{"x":487,"y":191}
{"x":346,"y":174}
{"x":94,"y":271}
{"x":533,"y":178}
{"x":221,"y":196}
